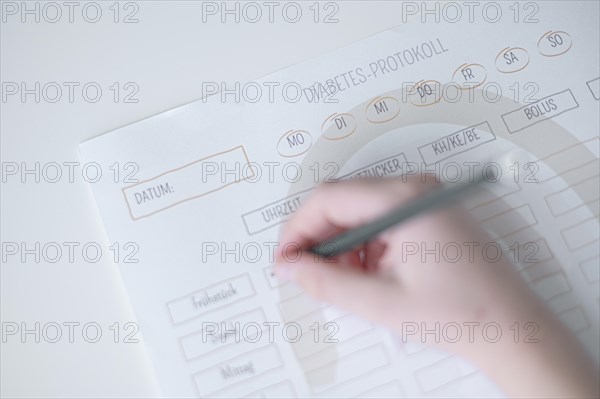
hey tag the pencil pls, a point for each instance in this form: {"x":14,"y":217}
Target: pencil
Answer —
{"x":350,"y":239}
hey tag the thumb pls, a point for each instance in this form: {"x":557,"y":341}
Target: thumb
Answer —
{"x":373,"y":296}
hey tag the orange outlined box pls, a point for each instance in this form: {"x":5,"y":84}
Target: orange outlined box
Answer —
{"x":566,"y":200}
{"x":487,"y":203}
{"x":570,"y":162}
{"x":510,"y":221}
{"x":187,"y":182}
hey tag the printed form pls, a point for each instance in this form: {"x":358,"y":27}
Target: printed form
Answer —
{"x":217,"y":178}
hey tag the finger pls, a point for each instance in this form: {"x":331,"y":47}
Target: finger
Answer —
{"x":343,"y":205}
{"x":350,"y":259}
{"x":347,"y":287}
{"x":292,"y":248}
{"x":374,"y":250}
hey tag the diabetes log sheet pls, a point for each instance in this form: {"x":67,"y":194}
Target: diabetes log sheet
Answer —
{"x":213,"y":182}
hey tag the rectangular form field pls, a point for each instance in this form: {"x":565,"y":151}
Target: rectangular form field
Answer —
{"x":272,"y":214}
{"x":572,"y":164}
{"x":220,"y":334}
{"x":581,"y":234}
{"x":237,"y":370}
{"x":541,"y":110}
{"x":567,"y":199}
{"x":300,"y":305}
{"x":483,"y":204}
{"x":210,"y":298}
{"x":537,"y":271}
{"x":594,"y":86}
{"x":318,"y":334}
{"x":510,"y":221}
{"x":271,"y":277}
{"x":349,"y":367}
{"x":551,"y":286}
{"x":456,"y":143}
{"x":185,"y":183}
{"x":393,"y":166}
{"x":531,"y":252}
{"x":591,"y":269}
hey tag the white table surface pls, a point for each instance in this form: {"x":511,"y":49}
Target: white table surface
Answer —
{"x":168,"y":53}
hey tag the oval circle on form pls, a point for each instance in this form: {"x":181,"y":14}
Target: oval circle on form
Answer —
{"x":512,"y":59}
{"x":338,"y":126}
{"x":471,"y":76}
{"x":294,"y":143}
{"x":554,"y":43}
{"x":382,"y":109}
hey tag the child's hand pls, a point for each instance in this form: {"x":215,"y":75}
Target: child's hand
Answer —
{"x":438,"y":267}
{"x":429,"y":269}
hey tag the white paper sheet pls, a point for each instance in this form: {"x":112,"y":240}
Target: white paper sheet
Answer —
{"x":205,"y":222}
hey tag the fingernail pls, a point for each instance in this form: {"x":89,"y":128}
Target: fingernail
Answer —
{"x":285,"y":271}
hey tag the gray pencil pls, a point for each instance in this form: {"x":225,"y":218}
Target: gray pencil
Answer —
{"x":352,"y":238}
